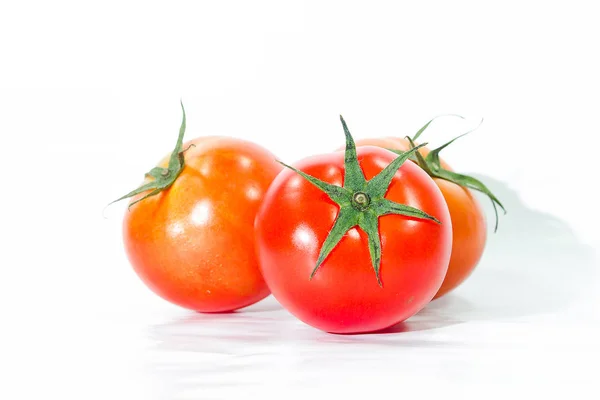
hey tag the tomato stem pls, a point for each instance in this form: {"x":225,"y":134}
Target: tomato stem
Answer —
{"x":162,"y":178}
{"x":362,"y":202}
{"x":432,"y":165}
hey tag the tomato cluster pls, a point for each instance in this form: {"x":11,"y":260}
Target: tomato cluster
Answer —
{"x":352,"y":241}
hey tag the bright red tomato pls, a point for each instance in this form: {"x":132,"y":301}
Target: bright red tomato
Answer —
{"x":344,"y":296}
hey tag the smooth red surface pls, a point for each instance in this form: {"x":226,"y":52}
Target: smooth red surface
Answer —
{"x":469,"y":228}
{"x":193,"y":244}
{"x":343,"y":296}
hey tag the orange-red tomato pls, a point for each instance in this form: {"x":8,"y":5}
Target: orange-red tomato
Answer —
{"x":469,"y":231}
{"x":193,"y":243}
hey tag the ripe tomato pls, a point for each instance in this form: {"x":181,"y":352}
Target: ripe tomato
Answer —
{"x":469,"y":231}
{"x":296,"y":220}
{"x":193,"y":242}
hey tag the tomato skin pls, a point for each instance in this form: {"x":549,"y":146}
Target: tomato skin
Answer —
{"x":469,"y":234}
{"x":193,"y":244}
{"x":469,"y":229}
{"x":343,"y":296}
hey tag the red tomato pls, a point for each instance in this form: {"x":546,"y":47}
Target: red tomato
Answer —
{"x":469,"y":230}
{"x":193,"y":243}
{"x":344,"y":296}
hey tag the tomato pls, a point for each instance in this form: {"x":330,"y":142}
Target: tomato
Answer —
{"x":344,"y":295}
{"x":469,"y":229}
{"x":193,"y":242}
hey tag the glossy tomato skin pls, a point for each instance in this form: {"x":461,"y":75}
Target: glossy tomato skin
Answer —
{"x":193,"y":244}
{"x":469,"y":229}
{"x":469,"y":233}
{"x":343,"y":296}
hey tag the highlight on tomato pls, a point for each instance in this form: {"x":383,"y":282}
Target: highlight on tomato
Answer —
{"x":354,"y":241}
{"x":188,"y":232}
{"x":469,"y":228}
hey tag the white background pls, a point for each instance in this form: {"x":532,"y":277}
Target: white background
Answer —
{"x":89,"y":96}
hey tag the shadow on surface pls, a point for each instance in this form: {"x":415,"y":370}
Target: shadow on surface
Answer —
{"x":534,"y":264}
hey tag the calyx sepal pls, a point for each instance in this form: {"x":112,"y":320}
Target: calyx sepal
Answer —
{"x":362,"y":202}
{"x":162,"y":178}
{"x":431,"y":164}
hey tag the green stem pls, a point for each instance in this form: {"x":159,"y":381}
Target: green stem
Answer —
{"x":362,"y":202}
{"x":432,"y":165}
{"x":162,"y":178}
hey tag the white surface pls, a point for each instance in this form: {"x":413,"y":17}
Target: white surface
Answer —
{"x":89,"y":102}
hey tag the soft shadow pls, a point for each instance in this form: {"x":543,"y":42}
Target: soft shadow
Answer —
{"x":534,"y":264}
{"x":434,"y":316}
{"x":267,"y":304}
{"x":221,"y":333}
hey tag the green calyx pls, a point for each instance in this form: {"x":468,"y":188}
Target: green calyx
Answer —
{"x":162,"y":178}
{"x":362,"y":202}
{"x":432,"y":165}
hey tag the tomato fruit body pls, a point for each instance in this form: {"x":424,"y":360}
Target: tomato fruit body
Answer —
{"x":344,"y":296}
{"x":193,"y":243}
{"x":469,"y":229}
